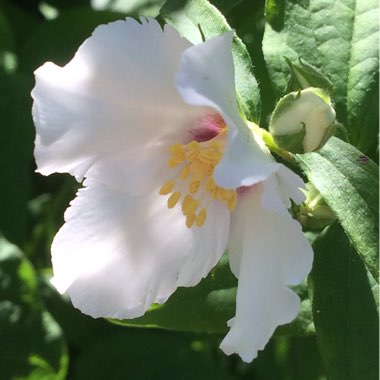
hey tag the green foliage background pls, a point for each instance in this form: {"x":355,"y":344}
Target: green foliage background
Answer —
{"x":336,"y":334}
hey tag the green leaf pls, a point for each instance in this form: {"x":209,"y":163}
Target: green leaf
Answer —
{"x":187,"y":16}
{"x":6,"y":35}
{"x":32,"y":345}
{"x":204,"y":308}
{"x":225,"y":5}
{"x":208,"y":306}
{"x":147,"y":354}
{"x":146,"y":8}
{"x":344,"y":297}
{"x":341,"y":39}
{"x":16,"y":145}
{"x":349,"y":183}
{"x":62,"y":37}
{"x":288,"y":358}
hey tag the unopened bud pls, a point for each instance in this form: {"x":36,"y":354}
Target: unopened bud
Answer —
{"x":303,"y":121}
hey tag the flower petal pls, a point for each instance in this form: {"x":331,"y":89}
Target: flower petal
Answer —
{"x":115,"y":101}
{"x":206,"y":78}
{"x":268,"y":252}
{"x":243,"y":163}
{"x":280,"y":188}
{"x":117,"y":254}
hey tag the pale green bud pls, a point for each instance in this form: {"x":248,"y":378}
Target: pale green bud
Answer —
{"x":303,"y":121}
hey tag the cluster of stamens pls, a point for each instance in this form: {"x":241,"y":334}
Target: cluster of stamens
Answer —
{"x":198,"y":161}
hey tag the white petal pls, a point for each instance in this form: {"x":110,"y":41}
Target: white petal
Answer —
{"x":118,"y":254}
{"x":114,"y":102}
{"x":275,"y":254}
{"x":290,"y":185}
{"x":279,"y":188}
{"x":206,"y":77}
{"x":243,"y":163}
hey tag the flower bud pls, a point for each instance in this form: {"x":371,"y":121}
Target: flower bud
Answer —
{"x":303,"y":121}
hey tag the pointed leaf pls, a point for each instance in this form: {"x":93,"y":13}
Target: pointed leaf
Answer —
{"x":349,"y":183}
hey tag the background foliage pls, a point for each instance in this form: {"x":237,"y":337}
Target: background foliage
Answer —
{"x":336,"y":334}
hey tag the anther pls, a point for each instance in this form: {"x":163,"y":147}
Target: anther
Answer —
{"x":167,"y":188}
{"x":201,"y":217}
{"x":194,"y":186}
{"x":192,"y":207}
{"x":190,"y":219}
{"x":185,"y":172}
{"x":173,"y":199}
{"x":186,"y":203}
{"x":177,"y":149}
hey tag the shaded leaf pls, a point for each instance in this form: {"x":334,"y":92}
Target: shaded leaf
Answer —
{"x":147,"y":354}
{"x":16,"y":145}
{"x":344,"y":297}
{"x":208,"y":306}
{"x":32,"y":346}
{"x":349,"y":183}
{"x":6,"y":35}
{"x":62,"y":37}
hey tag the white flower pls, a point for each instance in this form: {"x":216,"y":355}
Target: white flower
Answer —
{"x":141,"y":114}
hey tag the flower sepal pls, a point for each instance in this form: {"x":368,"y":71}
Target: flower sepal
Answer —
{"x":306,"y":75}
{"x":292,"y":142}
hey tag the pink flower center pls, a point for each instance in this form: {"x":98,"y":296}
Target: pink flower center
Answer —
{"x":207,"y":128}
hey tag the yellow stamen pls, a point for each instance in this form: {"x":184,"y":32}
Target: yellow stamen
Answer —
{"x":186,"y":203}
{"x":185,"y":172}
{"x":178,"y":155}
{"x":231,"y":203}
{"x":193,"y":150}
{"x":209,"y":156}
{"x":176,"y":160}
{"x":173,"y":199}
{"x":177,"y":149}
{"x":193,"y":146}
{"x":190,"y":219}
{"x":194,"y":186}
{"x":192,"y":207}
{"x":201,"y":217}
{"x":167,"y":188}
{"x":198,"y":161}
